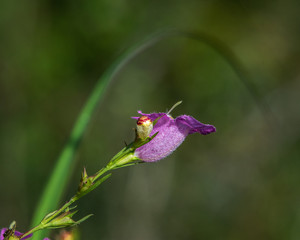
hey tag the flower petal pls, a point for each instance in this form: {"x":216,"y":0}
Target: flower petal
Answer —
{"x":169,"y":137}
{"x":18,"y":234}
{"x":3,"y":230}
{"x":171,"y":133}
{"x":194,"y":125}
{"x":152,"y":116}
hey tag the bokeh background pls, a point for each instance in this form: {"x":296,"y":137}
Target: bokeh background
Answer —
{"x":239,"y":183}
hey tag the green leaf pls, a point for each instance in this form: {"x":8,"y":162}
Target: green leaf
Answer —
{"x":130,"y":164}
{"x":83,"y":219}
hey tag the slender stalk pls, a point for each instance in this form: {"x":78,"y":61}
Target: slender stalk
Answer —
{"x":59,"y":211}
{"x":124,"y":157}
{"x":47,"y":220}
{"x":101,"y":172}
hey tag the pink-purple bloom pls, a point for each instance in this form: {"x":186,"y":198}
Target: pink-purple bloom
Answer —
{"x":171,"y":133}
{"x":17,"y":234}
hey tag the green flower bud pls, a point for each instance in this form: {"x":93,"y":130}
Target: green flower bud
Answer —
{"x":64,"y":220}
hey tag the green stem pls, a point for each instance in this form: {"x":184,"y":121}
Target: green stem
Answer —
{"x":101,"y":172}
{"x":124,"y":157}
{"x":37,"y":228}
{"x":47,"y":220}
{"x":59,"y":211}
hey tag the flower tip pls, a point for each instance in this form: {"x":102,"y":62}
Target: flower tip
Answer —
{"x":208,"y":129}
{"x":144,"y":120}
{"x":208,"y":132}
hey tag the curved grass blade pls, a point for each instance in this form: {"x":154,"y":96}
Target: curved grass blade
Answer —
{"x":224,"y":51}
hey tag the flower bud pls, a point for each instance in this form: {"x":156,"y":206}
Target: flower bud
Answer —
{"x":144,"y":126}
{"x":64,"y":220}
{"x":67,"y":235}
{"x":85,"y":182}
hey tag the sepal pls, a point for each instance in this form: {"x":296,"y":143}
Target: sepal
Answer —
{"x":85,"y":182}
{"x":65,"y":220}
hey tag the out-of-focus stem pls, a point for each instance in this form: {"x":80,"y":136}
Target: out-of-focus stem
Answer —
{"x":123,"y":158}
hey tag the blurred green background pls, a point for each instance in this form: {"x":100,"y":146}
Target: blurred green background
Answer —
{"x":239,"y":183}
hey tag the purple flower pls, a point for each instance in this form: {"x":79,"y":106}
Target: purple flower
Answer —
{"x":171,"y":133}
{"x":17,"y":234}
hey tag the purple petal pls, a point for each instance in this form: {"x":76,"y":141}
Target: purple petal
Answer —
{"x":3,"y":230}
{"x":169,"y":137}
{"x":18,"y":234}
{"x":171,"y":133}
{"x":152,"y":116}
{"x":30,"y":235}
{"x":194,"y":125}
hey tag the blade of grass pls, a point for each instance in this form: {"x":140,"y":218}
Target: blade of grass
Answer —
{"x":226,"y":52}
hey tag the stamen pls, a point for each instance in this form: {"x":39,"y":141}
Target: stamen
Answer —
{"x":174,"y":106}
